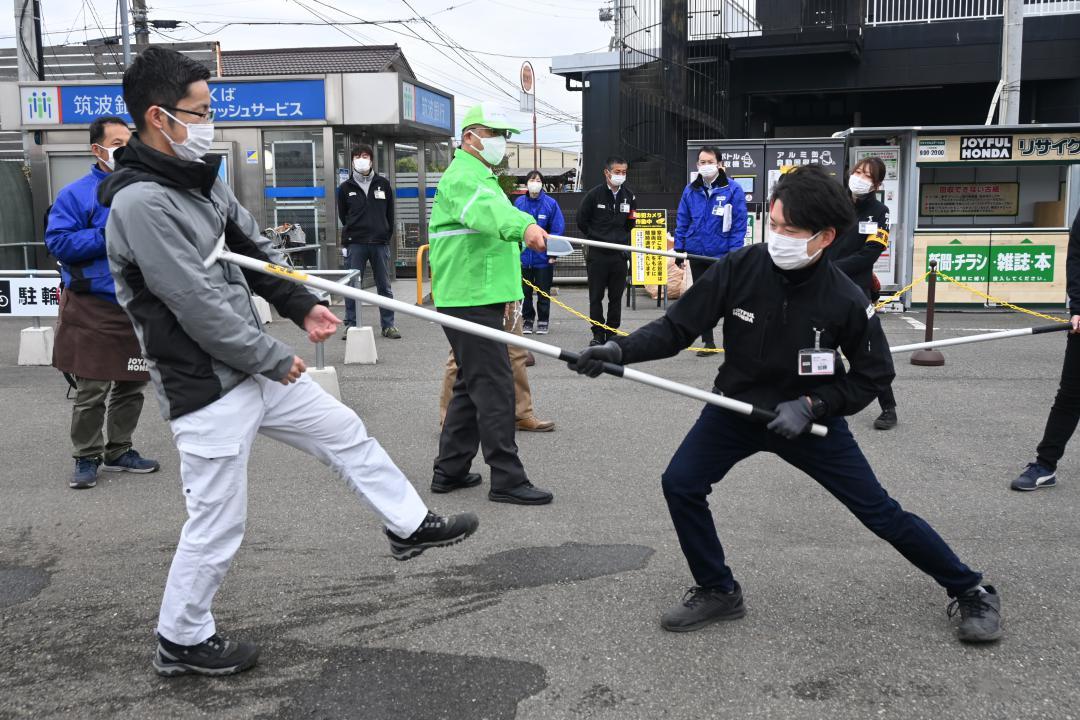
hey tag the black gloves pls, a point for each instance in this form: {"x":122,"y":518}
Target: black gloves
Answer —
{"x":793,"y":418}
{"x":679,"y":262}
{"x":591,"y":360}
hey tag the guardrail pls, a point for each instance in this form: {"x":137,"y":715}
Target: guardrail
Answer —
{"x":893,"y":12}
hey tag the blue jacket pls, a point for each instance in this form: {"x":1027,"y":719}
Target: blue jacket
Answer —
{"x":76,"y":236}
{"x":548,"y":216}
{"x":699,"y":229}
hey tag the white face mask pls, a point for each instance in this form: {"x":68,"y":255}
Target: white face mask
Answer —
{"x":708,"y":171}
{"x":362,"y":165}
{"x":494,"y":148}
{"x":111,"y":161}
{"x":858,"y":185}
{"x":618,"y":180}
{"x":789,"y":253}
{"x":199,"y":138}
{"x":534,"y":187}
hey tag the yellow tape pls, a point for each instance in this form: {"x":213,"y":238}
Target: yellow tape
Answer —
{"x":279,"y":270}
{"x":898,"y":295}
{"x":589,"y":320}
{"x":999,"y":301}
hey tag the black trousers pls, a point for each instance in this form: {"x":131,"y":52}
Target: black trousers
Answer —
{"x":697,"y":269}
{"x":720,"y":439}
{"x":606,"y":272}
{"x":1065,"y":411}
{"x":481,"y":410}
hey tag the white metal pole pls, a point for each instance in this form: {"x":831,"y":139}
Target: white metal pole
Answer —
{"x":1038,"y":330}
{"x":632,"y":249}
{"x":535,"y":346}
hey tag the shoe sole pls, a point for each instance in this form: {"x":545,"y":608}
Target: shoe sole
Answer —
{"x":884,"y":426}
{"x":1034,"y":487}
{"x":176,"y":669}
{"x":511,"y":500}
{"x":402,"y":552}
{"x":118,"y":468}
{"x":82,"y":485}
{"x":536,"y":429}
{"x":457,"y":486}
{"x":735,"y":615}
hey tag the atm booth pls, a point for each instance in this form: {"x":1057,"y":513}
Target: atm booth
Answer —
{"x":991,"y":204}
{"x":285,"y":143}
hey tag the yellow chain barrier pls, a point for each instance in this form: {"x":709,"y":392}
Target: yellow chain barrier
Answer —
{"x":899,"y":294}
{"x":600,"y":325}
{"x":999,"y":301}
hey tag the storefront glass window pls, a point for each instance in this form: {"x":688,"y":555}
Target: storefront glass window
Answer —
{"x":295,"y":192}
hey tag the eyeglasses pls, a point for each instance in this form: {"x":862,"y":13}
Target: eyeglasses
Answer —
{"x":207,"y":116}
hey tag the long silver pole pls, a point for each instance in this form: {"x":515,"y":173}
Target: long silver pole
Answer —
{"x":1038,"y":330}
{"x":632,"y":249}
{"x":125,"y":32}
{"x":535,"y":346}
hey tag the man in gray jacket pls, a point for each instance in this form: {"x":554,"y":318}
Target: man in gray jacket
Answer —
{"x":220,"y":379}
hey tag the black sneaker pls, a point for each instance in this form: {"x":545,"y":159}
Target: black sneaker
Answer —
{"x":214,"y":656}
{"x":527,"y":327}
{"x":703,"y":606}
{"x":524,"y":494}
{"x":541,"y":328}
{"x":980,"y":615}
{"x":443,"y":484}
{"x":886,"y":420}
{"x":704,"y":352}
{"x":435,"y":531}
{"x":596,"y":341}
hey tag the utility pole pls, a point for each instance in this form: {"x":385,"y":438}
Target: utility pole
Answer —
{"x":142,"y":26}
{"x":125,"y":32}
{"x":1012,"y":48}
{"x":40,"y":51}
{"x":28,"y":40}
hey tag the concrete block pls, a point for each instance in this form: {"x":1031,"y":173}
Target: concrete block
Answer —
{"x":264,"y":309}
{"x":360,"y":346}
{"x":36,"y":346}
{"x":327,"y":379}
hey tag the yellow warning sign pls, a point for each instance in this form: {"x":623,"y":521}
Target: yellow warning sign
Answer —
{"x":650,"y":232}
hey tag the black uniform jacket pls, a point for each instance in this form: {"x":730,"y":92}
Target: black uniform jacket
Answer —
{"x":855,"y":252}
{"x":607,"y":216}
{"x":366,"y":218}
{"x":769,"y":315}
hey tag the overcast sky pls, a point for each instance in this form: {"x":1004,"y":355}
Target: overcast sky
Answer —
{"x":533,"y":30}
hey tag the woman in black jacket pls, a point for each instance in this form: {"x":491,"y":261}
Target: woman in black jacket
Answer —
{"x":859,"y":247}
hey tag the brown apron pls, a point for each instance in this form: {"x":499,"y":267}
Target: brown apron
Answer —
{"x":95,"y":340}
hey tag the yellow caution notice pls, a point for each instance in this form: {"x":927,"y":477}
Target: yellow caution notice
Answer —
{"x":287,"y":272}
{"x":650,"y":232}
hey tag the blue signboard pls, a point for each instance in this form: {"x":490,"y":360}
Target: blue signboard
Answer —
{"x":426,"y":107}
{"x":270,"y":101}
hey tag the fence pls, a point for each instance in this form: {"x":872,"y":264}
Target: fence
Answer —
{"x":891,"y":12}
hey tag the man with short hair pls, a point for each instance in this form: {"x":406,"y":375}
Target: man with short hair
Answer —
{"x":786,"y":314}
{"x":220,"y":378}
{"x":607,"y":214}
{"x":94,"y":340}
{"x":711,"y":220}
{"x":475,"y":235}
{"x":365,"y":203}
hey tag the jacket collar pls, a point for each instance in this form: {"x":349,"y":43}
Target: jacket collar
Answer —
{"x":138,"y":161}
{"x":721,"y":181}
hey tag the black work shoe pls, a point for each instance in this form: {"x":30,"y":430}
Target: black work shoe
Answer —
{"x":980,"y":615}
{"x":596,"y":341}
{"x":703,"y":606}
{"x":443,"y":484}
{"x":886,"y":420}
{"x":524,"y":494}
{"x":214,"y":656}
{"x":704,"y":352}
{"x":435,"y":531}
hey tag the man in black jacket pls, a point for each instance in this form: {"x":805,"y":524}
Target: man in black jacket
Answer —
{"x":785,"y":315}
{"x":365,"y":205}
{"x":607,"y":214}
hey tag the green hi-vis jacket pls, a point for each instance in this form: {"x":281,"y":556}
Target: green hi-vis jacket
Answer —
{"x":474,"y":234}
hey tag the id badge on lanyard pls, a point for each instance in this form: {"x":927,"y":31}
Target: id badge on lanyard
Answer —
{"x":817,"y":361}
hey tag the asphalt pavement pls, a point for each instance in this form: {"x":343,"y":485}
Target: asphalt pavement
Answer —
{"x":552,"y":612}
